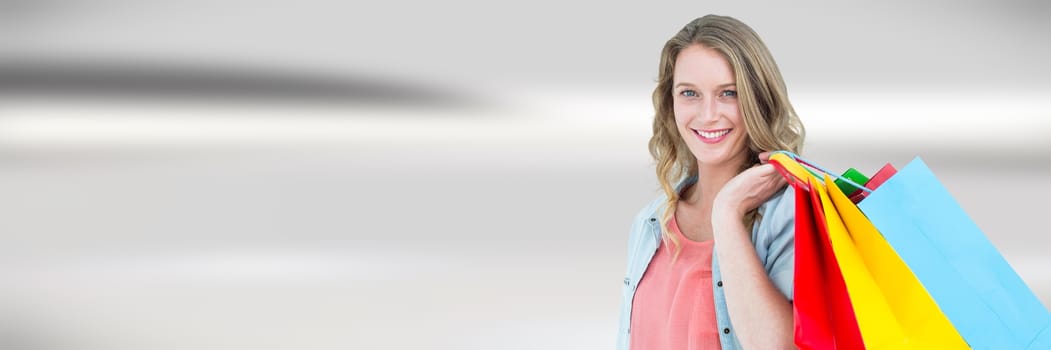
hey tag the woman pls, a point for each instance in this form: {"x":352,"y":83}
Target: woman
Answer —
{"x":710,"y":262}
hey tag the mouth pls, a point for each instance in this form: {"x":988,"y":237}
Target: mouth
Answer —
{"x":711,"y":136}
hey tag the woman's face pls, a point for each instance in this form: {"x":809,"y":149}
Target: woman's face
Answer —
{"x":704,"y":95}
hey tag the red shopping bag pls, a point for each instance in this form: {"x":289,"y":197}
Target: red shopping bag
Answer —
{"x":824,"y":317}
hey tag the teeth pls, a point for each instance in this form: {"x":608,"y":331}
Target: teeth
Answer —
{"x":712,"y":135}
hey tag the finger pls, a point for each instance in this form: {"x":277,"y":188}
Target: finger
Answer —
{"x":764,"y":157}
{"x":767,"y":170}
{"x":771,"y":172}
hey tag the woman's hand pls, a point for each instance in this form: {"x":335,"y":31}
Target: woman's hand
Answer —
{"x":750,"y":188}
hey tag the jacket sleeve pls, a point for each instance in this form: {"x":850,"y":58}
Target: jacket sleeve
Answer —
{"x":778,"y":229}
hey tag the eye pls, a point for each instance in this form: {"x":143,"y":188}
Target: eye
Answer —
{"x":688,"y":93}
{"x":728,"y":93}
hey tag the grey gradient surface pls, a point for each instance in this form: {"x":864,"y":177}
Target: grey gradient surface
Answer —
{"x":453,"y":175}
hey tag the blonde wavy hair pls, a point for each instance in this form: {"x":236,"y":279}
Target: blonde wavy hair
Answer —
{"x":770,"y":121}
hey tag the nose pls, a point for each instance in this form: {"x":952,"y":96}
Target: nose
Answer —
{"x":708,"y":111}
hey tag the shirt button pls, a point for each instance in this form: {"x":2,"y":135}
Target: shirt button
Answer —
{"x":627,"y":281}
{"x":726,"y":331}
{"x":719,"y":284}
{"x":653,"y":219}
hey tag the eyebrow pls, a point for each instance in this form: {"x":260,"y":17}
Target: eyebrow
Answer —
{"x":718,"y":87}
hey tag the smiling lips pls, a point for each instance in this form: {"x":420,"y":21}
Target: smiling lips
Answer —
{"x":711,"y":136}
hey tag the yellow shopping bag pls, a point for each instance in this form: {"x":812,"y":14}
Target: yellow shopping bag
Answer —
{"x":892,"y":308}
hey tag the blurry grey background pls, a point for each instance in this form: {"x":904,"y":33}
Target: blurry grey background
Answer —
{"x":447,"y":175}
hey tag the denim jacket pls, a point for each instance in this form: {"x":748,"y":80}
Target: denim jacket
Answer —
{"x":773,"y":236}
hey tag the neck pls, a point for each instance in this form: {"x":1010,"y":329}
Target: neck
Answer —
{"x":710,"y":180}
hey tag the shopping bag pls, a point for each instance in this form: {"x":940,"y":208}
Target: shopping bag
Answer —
{"x":824,"y":318}
{"x":986,"y":301}
{"x":813,"y":328}
{"x":853,"y":175}
{"x":892,"y":308}
{"x":873,"y":183}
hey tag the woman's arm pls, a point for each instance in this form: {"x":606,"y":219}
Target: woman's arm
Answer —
{"x":761,"y":315}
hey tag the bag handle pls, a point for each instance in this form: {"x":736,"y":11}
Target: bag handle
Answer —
{"x":795,"y":172}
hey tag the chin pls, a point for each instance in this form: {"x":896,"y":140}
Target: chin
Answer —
{"x":718,"y":158}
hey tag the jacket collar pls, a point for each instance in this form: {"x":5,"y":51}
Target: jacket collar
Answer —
{"x":660,"y":206}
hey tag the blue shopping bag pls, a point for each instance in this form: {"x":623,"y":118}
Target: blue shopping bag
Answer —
{"x":990,"y":306}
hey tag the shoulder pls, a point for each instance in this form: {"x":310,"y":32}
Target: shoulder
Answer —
{"x":645,"y":224}
{"x":782,"y":200}
{"x":656,"y":207}
{"x":652,"y":209}
{"x":778,"y":214}
{"x":647,"y":213}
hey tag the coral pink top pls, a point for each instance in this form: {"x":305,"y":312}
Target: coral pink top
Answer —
{"x":673,"y":308}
